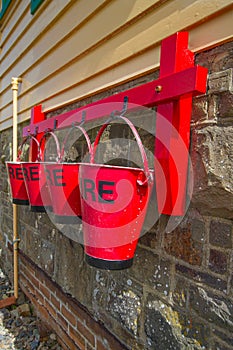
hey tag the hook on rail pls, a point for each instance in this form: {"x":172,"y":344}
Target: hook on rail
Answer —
{"x":116,"y":113}
{"x":83,"y":119}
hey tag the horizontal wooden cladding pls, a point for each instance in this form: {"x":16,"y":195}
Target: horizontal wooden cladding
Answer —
{"x":10,"y":24}
{"x":214,"y":32}
{"x":90,"y":48}
{"x":86,"y":88}
{"x":75,"y":65}
{"x":27,"y":30}
{"x":55,"y":49}
{"x":47,"y":38}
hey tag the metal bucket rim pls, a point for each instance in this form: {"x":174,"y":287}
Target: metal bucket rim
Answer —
{"x":65,"y":163}
{"x":13,"y":162}
{"x":115,"y":167}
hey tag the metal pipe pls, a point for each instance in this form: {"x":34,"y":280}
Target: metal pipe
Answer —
{"x":14,"y":86}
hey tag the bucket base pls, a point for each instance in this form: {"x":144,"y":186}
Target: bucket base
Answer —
{"x":109,"y":264}
{"x":67,"y":219}
{"x":20,"y":201}
{"x":40,"y":209}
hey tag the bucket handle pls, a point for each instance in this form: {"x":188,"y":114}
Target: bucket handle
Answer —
{"x":139,"y":142}
{"x":20,"y":149}
{"x":85,"y":135}
{"x":56,"y":142}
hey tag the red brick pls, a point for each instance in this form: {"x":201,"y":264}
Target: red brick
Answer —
{"x":82,"y":314}
{"x":26,"y":266}
{"x":86,"y":333}
{"x":26,"y":271}
{"x":23,"y":279}
{"x":62,"y":321}
{"x":32,"y":279}
{"x":63,"y":338}
{"x":29,"y":296}
{"x":68,"y":315}
{"x":33,"y":284}
{"x":77,"y":338}
{"x":29,"y":285}
{"x":45,"y":291}
{"x":55,"y":302}
{"x":89,"y":347}
{"x":63,"y":345}
{"x":51,"y":285}
{"x":23,"y":285}
{"x":100,"y":346}
{"x":43,"y":312}
{"x":72,"y":309}
{"x":50,"y":309}
{"x":61,"y":296}
{"x":102,"y":332}
{"x":37,"y":272}
{"x":38,"y":295}
{"x":40,"y":275}
{"x":31,"y":288}
{"x":66,"y":342}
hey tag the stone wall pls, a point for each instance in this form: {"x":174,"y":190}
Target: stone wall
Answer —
{"x":178,"y":293}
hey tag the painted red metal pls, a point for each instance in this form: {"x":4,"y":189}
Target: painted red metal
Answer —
{"x":18,"y":189}
{"x":179,"y":81}
{"x":173,"y":157}
{"x":114,"y":207}
{"x":114,"y":203}
{"x":36,"y":186}
{"x":63,"y":183}
{"x":36,"y":117}
{"x":191,"y":81}
{"x":19,"y":192}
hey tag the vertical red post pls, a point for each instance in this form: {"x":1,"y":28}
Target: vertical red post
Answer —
{"x":36,"y":116}
{"x":173,"y":130}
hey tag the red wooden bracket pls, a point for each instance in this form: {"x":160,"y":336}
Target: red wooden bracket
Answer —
{"x":37,"y":116}
{"x":172,"y":151}
{"x":179,"y":81}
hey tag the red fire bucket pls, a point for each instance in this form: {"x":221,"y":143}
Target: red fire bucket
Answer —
{"x":114,"y":202}
{"x":35,"y":181}
{"x":15,"y":175}
{"x":63,"y":183}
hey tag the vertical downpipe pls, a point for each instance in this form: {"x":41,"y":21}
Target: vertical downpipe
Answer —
{"x":14,"y":86}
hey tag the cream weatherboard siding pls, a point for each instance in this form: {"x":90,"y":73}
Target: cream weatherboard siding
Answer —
{"x":69,"y":50}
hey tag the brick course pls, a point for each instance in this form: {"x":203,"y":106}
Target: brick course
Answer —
{"x":75,"y":327}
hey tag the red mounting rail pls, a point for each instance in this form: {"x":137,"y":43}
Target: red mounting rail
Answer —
{"x":178,"y":82}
